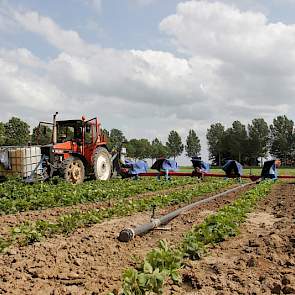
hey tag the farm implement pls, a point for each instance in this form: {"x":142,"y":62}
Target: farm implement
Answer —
{"x":232,"y":169}
{"x":191,"y":174}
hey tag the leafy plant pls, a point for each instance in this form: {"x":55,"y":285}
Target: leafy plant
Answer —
{"x":159,"y":265}
{"x":28,"y":233}
{"x":15,"y":196}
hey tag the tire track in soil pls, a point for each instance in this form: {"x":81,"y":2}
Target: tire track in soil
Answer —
{"x":12,"y":220}
{"x":91,"y":260}
{"x":261,"y":260}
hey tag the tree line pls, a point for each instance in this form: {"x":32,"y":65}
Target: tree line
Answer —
{"x":144,"y":149}
{"x":246,"y":144}
{"x":16,"y":132}
{"x":251,"y":143}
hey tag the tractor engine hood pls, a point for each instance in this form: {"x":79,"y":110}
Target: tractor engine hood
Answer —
{"x":65,"y":147}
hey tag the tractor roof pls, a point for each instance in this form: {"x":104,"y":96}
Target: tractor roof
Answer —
{"x":70,"y":123}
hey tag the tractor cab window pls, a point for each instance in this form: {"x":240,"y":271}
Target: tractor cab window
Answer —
{"x":88,"y":133}
{"x":65,"y":133}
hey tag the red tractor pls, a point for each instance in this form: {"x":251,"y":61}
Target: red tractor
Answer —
{"x":78,"y":148}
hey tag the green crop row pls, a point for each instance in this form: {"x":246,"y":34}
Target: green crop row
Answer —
{"x":15,"y":196}
{"x":164,"y":262}
{"x":28,"y":232}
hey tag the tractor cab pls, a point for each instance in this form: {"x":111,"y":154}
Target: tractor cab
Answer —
{"x":69,"y":135}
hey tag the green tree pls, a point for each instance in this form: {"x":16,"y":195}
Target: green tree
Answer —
{"x":237,"y":141}
{"x":2,"y":133}
{"x":139,"y":148}
{"x":282,"y":138}
{"x":17,"y":132}
{"x":158,"y":149}
{"x":174,"y":144}
{"x":215,"y":138}
{"x":258,"y":138}
{"x":193,"y":146}
{"x":41,"y":135}
{"x":116,"y":138}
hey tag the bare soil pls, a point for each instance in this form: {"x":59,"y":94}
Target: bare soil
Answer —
{"x":261,"y":260}
{"x":91,"y":260}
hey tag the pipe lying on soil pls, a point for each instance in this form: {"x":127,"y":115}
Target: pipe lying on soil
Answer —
{"x":128,"y":234}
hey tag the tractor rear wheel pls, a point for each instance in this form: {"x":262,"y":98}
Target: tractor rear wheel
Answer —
{"x":73,"y":170}
{"x":102,"y":164}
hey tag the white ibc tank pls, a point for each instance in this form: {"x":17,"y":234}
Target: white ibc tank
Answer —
{"x":23,"y":161}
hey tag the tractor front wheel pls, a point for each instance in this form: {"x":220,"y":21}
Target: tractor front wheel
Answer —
{"x":73,"y":170}
{"x":102,"y":164}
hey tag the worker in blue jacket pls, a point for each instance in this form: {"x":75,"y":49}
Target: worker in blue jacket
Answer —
{"x":233,"y":169}
{"x":270,"y":169}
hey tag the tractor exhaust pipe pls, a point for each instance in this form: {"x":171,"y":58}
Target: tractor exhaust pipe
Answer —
{"x":54,"y":130}
{"x":128,"y":234}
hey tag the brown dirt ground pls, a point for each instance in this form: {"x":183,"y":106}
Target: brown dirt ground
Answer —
{"x":261,"y":260}
{"x":91,"y":260}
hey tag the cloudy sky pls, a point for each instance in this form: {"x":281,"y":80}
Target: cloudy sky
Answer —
{"x":148,"y":66}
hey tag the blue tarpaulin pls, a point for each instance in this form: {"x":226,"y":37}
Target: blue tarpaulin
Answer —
{"x":165,"y":165}
{"x":169,"y":165}
{"x":136,"y":167}
{"x":205,"y":167}
{"x":233,"y":167}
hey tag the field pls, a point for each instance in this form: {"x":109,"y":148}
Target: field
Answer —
{"x":58,"y":238}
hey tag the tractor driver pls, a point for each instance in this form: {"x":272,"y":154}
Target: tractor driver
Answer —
{"x":78,"y":134}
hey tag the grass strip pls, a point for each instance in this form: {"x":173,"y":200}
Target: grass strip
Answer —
{"x":163,"y":263}
{"x":28,"y":233}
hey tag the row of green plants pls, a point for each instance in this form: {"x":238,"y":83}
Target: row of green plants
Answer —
{"x":16,"y":196}
{"x":163,"y":264}
{"x":30,"y":232}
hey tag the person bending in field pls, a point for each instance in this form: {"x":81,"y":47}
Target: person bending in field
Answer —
{"x":270,"y":169}
{"x":200,"y":167}
{"x":233,"y":169}
{"x":165,"y":165}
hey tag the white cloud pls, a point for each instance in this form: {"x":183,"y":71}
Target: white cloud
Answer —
{"x":256,"y":58}
{"x":20,"y":88}
{"x":65,"y":40}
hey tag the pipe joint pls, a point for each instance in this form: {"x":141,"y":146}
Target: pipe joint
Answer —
{"x":155,"y":222}
{"x":126,"y":235}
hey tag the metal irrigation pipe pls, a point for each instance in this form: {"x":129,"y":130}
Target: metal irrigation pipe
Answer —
{"x":128,"y":234}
